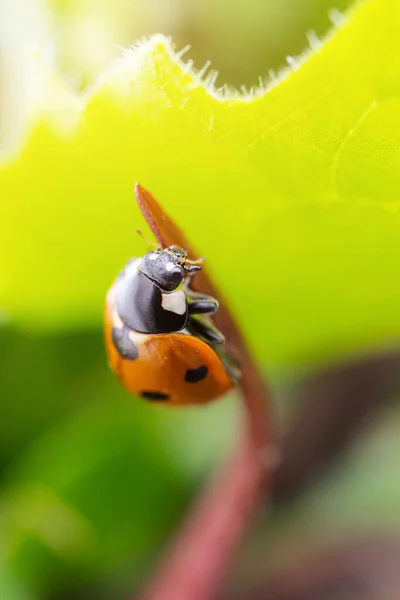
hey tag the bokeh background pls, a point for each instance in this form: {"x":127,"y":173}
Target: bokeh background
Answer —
{"x":92,"y":484}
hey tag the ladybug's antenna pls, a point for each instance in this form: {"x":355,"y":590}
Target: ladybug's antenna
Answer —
{"x":149,"y":242}
{"x":199,"y":261}
{"x":191,"y":266}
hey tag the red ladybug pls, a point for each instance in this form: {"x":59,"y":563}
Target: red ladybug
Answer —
{"x":160,"y":341}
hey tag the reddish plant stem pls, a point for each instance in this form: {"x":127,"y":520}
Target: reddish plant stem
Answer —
{"x":194,"y":567}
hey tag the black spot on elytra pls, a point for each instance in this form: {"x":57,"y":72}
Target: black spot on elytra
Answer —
{"x":124,"y":344}
{"x":154,"y":395}
{"x":195,"y":375}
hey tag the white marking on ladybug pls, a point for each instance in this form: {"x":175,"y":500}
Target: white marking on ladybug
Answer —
{"x":153,"y":256}
{"x":117,"y":322}
{"x":132,"y":267}
{"x":174,"y":302}
{"x":137,"y":338}
{"x":169,"y":266}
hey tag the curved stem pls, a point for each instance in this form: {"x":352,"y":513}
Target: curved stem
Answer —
{"x":198,"y":559}
{"x":195,"y":566}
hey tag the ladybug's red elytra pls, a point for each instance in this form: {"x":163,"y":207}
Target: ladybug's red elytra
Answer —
{"x":159,"y":338}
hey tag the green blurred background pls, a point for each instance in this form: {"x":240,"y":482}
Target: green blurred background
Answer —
{"x":92,"y":482}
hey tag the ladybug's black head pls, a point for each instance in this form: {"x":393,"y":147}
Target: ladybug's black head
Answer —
{"x":167,"y":268}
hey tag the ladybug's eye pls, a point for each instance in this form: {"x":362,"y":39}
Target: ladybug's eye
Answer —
{"x":174,"y":276}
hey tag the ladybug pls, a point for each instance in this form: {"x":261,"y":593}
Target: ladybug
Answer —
{"x":160,"y":340}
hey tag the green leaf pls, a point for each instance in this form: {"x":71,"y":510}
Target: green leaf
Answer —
{"x":292,"y":194}
{"x":85,"y":499}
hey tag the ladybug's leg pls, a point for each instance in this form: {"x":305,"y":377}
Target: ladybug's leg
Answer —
{"x":205,"y":331}
{"x":229,"y":364}
{"x":123,"y":343}
{"x":203,"y":306}
{"x":199,"y":304}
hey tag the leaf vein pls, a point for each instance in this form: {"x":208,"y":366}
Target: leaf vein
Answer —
{"x":335,"y":161}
